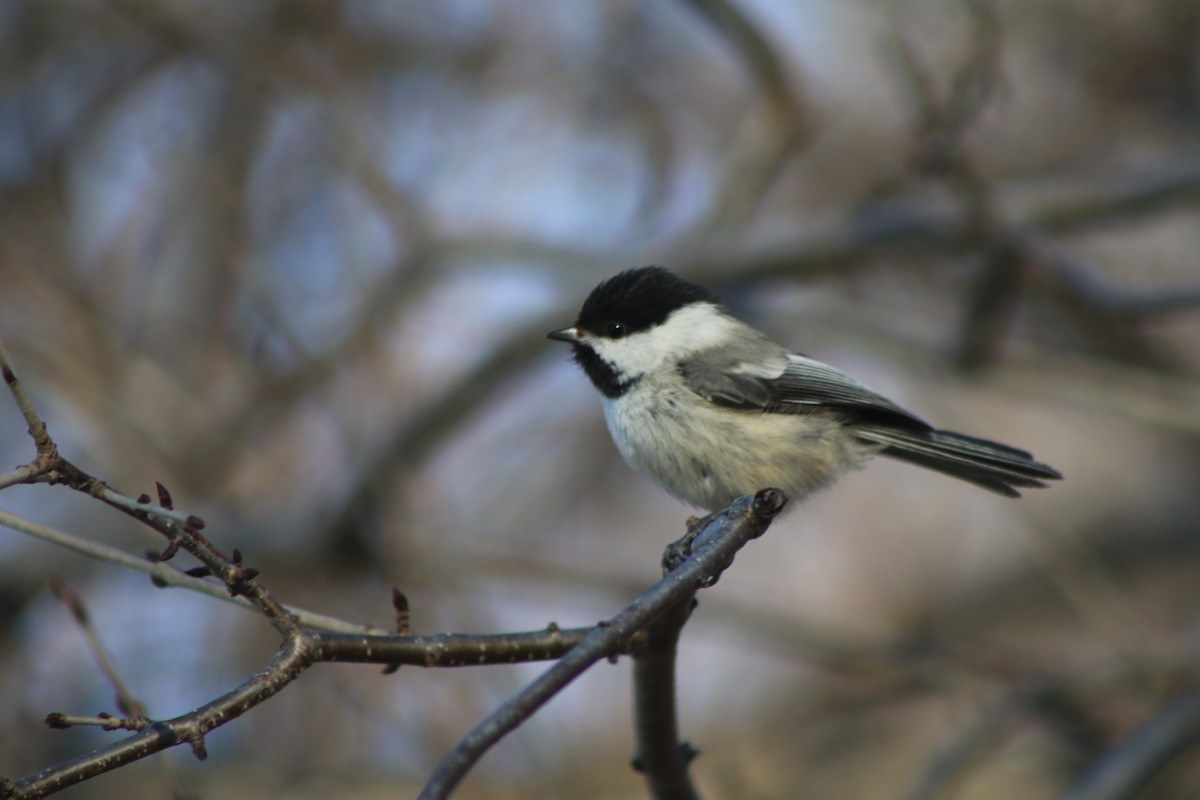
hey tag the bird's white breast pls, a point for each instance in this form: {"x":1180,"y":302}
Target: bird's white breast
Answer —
{"x":708,"y":455}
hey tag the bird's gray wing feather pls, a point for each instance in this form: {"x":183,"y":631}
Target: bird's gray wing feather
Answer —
{"x":789,"y":384}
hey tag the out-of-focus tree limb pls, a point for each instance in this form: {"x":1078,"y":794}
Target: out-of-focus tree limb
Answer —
{"x":437,"y":418}
{"x":946,"y":772}
{"x":750,"y":173}
{"x":1127,"y":771}
{"x":913,"y":233}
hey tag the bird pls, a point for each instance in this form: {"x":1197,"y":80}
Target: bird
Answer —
{"x":711,"y":409}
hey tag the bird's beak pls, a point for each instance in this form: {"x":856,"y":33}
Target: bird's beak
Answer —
{"x":570,"y":335}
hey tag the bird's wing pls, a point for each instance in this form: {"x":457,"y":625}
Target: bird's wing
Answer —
{"x":791,"y":384}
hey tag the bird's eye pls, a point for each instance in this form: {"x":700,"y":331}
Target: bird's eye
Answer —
{"x":614,"y":330}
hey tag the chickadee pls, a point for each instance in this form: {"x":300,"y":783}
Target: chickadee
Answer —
{"x":712,"y":410}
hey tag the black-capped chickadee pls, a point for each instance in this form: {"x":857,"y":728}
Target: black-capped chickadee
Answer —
{"x":712,"y":410}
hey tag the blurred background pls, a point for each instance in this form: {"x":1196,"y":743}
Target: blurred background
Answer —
{"x":296,"y":261}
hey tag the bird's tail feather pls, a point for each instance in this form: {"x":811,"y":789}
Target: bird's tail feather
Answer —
{"x":994,"y":466}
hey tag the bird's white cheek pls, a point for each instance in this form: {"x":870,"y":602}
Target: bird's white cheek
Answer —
{"x":632,"y":356}
{"x":695,"y":327}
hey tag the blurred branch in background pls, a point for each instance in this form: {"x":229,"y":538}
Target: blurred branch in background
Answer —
{"x":773,"y":133}
{"x":1138,"y":763}
{"x":295,"y":260}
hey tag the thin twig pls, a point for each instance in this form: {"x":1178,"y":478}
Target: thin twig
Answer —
{"x":190,"y":728}
{"x":37,"y":428}
{"x":137,"y":506}
{"x":164,"y":574}
{"x":23,"y":474}
{"x":105,"y":722}
{"x":297,"y":653}
{"x":136,"y":717}
{"x":126,"y":702}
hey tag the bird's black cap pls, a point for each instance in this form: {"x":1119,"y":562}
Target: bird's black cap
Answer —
{"x":638,"y":299}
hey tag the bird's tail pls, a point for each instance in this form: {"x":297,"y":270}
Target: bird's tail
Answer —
{"x":994,"y":466}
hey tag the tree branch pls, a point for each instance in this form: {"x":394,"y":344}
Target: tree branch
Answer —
{"x":659,"y":754}
{"x":712,"y":551}
{"x":164,"y":574}
{"x":709,"y":550}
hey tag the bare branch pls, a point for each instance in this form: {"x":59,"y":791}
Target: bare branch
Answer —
{"x":164,"y":574}
{"x":142,"y":505}
{"x":659,"y":754}
{"x":128,"y":704}
{"x":189,"y":728}
{"x":22,"y":474}
{"x":106,"y":722}
{"x":37,"y":428}
{"x":447,"y":649}
{"x":297,"y":653}
{"x":711,"y":552}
